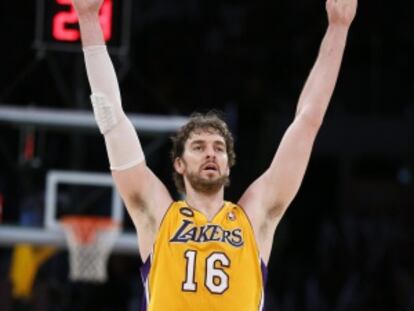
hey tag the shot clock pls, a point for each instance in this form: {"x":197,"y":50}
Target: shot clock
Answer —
{"x":57,"y":25}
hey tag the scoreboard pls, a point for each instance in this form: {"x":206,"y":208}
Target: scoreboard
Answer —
{"x":57,"y":25}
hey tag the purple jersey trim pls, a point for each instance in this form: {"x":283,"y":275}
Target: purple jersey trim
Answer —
{"x":145,"y":269}
{"x":264,"y":278}
{"x":264,"y":273}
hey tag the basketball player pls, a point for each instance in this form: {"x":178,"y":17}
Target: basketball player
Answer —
{"x":204,"y":253}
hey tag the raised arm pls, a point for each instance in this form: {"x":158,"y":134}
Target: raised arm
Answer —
{"x":145,"y":197}
{"x":266,"y":200}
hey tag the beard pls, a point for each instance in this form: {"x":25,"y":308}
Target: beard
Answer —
{"x":207,"y":185}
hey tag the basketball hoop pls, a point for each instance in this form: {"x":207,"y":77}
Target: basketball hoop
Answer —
{"x":90,"y":240}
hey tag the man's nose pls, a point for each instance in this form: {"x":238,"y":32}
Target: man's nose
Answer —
{"x":210,"y":152}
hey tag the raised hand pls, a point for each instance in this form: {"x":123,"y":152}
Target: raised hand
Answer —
{"x":341,"y":12}
{"x":87,"y":7}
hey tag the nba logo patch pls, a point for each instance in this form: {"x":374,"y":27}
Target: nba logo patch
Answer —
{"x":231,"y":216}
{"x":186,"y":212}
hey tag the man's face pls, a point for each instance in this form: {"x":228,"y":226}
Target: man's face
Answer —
{"x":204,"y":163}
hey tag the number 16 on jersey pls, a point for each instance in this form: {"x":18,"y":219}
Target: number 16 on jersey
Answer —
{"x":216,"y":280}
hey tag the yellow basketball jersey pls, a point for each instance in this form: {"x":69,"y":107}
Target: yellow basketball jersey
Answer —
{"x":204,"y":265}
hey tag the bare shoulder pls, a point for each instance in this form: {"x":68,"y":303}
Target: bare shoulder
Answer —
{"x":146,"y":199}
{"x":143,"y":193}
{"x":139,"y":182}
{"x":263,"y":218}
{"x":251,"y":202}
{"x":256,"y":203}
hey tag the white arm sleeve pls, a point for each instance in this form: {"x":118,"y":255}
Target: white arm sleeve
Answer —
{"x":121,"y":140}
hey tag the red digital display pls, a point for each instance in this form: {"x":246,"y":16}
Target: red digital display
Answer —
{"x":57,"y":25}
{"x":65,"y":21}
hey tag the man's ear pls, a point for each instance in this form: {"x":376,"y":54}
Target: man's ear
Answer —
{"x":179,"y":165}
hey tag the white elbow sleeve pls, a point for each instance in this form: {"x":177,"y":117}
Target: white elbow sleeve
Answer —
{"x":122,"y":143}
{"x":123,"y":146}
{"x":104,"y":112}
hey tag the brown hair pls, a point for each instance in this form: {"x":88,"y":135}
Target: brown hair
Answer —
{"x":197,"y":121}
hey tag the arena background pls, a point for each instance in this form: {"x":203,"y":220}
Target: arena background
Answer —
{"x":346,"y":241}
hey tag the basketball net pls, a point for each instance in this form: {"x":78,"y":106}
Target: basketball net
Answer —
{"x":90,"y":240}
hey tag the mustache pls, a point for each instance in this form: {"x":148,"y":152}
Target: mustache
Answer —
{"x":212,"y":164}
{"x":208,"y":186}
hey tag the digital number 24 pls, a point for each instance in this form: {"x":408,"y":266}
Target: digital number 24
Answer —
{"x":63,"y":19}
